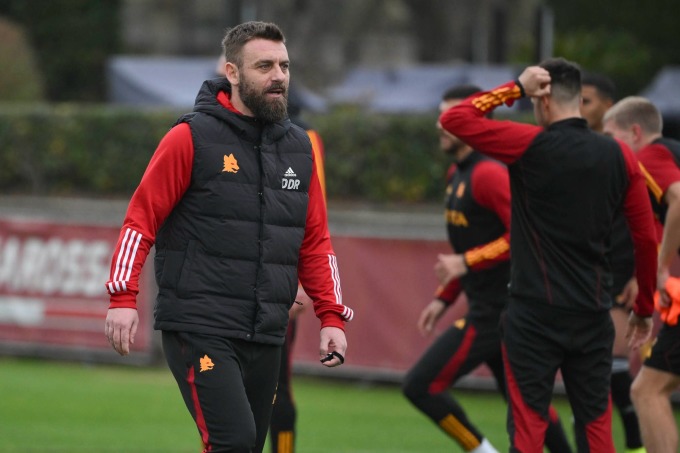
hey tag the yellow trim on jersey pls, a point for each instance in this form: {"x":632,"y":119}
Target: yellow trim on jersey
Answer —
{"x":317,"y":149}
{"x":496,"y":97}
{"x":652,"y":185}
{"x":489,"y":252}
{"x":456,"y":218}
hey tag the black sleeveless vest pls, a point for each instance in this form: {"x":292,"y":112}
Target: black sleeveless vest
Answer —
{"x":226,"y":257}
{"x":470,"y":225}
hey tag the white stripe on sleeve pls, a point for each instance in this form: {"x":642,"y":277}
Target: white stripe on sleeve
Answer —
{"x":333,"y":263}
{"x":125,"y":261}
{"x":120,"y":254}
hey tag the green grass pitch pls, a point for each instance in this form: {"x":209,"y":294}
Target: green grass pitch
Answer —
{"x":52,"y":407}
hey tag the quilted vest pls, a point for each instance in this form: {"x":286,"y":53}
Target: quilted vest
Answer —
{"x":226,"y":257}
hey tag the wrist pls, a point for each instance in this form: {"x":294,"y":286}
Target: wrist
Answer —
{"x":466,"y":265}
{"x":663,"y":268}
{"x":641,"y":316}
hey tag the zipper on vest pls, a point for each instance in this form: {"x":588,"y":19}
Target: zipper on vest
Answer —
{"x":260,"y":193}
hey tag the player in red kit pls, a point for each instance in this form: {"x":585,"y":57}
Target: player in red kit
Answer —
{"x":637,"y":122}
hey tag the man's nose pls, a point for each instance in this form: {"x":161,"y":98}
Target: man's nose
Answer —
{"x":278,"y":73}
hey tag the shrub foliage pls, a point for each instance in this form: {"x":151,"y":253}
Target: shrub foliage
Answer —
{"x":75,"y":149}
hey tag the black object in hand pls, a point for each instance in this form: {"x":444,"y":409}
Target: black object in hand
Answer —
{"x":332,"y":354}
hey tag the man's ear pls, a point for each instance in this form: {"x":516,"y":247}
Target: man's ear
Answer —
{"x":232,"y":74}
{"x":545,"y":103}
{"x":636,"y":130}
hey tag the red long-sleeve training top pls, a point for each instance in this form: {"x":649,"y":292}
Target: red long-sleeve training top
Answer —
{"x":165,"y":181}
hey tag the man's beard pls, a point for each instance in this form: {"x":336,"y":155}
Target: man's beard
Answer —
{"x":267,"y":110}
{"x":453,"y":149}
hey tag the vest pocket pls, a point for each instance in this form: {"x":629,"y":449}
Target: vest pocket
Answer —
{"x":170,"y":264}
{"x":175,"y":265}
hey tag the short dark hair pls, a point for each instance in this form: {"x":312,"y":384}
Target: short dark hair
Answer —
{"x":604,"y":85}
{"x":460,"y":92}
{"x":238,"y":36}
{"x":565,"y":78}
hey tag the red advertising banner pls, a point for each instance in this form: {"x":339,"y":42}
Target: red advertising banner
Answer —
{"x":52,"y":296}
{"x":53,"y":301}
{"x":387,"y":282}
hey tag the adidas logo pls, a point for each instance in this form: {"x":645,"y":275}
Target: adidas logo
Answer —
{"x":289,"y":180}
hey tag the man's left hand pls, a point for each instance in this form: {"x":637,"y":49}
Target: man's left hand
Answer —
{"x":332,"y":339}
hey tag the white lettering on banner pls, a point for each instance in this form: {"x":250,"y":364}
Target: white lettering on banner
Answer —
{"x":21,"y":311}
{"x":54,"y":266}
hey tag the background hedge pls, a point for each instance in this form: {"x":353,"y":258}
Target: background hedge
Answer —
{"x":77,"y":150}
{"x":85,"y":150}
{"x":382,"y":158}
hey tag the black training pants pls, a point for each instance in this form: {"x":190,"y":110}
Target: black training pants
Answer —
{"x":284,"y":413}
{"x":228,"y":385}
{"x":468,"y":343}
{"x":538,"y":341}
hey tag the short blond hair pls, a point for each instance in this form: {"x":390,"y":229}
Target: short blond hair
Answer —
{"x":635,"y":110}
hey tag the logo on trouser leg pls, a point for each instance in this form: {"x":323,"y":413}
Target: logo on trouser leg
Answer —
{"x":206,"y":363}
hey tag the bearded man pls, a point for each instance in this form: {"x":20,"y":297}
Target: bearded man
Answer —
{"x":232,"y":201}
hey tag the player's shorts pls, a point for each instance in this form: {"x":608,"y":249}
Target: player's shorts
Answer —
{"x":666,"y":350}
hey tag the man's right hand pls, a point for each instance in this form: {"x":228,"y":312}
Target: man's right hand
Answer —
{"x":639,"y":330}
{"x":628,"y":294}
{"x":120,"y":328}
{"x":535,"y":81}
